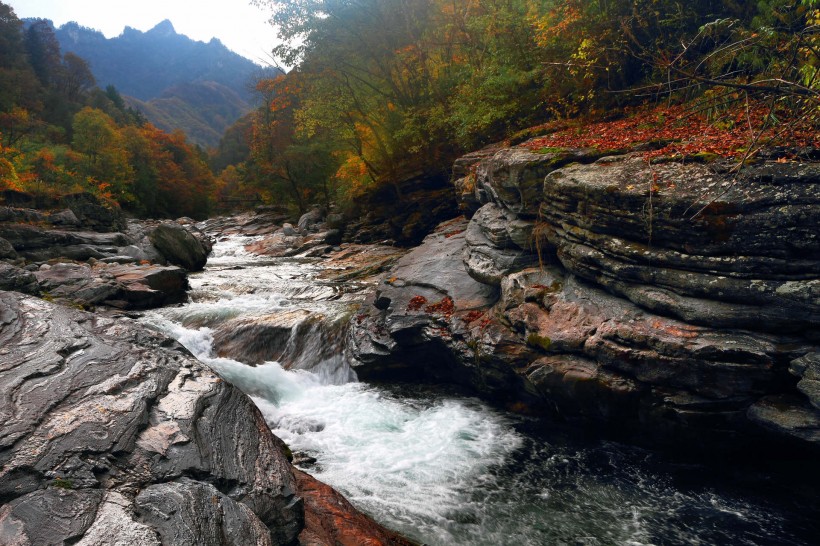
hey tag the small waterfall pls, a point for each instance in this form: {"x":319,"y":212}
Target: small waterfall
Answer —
{"x":436,"y":466}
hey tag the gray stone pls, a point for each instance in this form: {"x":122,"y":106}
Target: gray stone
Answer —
{"x":7,"y":251}
{"x":18,"y":280}
{"x":64,"y":218}
{"x":489,"y":254}
{"x":309,"y":219}
{"x":190,"y":513}
{"x":96,"y":410}
{"x":121,"y":286}
{"x":179,"y":246}
{"x":807,"y":368}
{"x":788,"y":416}
{"x":53,"y":516}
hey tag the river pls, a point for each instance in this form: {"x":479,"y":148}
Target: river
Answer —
{"x":440,"y":466}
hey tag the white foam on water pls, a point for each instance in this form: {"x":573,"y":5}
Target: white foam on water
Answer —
{"x":440,"y":469}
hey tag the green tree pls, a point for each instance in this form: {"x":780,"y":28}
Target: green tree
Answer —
{"x":103,"y":158}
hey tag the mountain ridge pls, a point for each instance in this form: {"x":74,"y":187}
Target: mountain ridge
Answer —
{"x":198,"y":87}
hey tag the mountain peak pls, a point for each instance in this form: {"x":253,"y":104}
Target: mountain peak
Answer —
{"x":164,"y":28}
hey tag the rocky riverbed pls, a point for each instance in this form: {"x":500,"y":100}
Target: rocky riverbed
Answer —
{"x":668,"y":303}
{"x":114,"y":433}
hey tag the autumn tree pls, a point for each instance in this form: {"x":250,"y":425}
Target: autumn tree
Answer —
{"x":102,"y":158}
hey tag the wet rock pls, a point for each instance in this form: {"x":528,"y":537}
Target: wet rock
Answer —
{"x":179,"y":246}
{"x":121,"y":286}
{"x":18,"y":280}
{"x":310,"y":219}
{"x":263,"y":221}
{"x":330,"y":520}
{"x":254,"y":340}
{"x":109,"y":428}
{"x":359,"y":262}
{"x":7,"y":251}
{"x":191,"y":513}
{"x":280,"y":244}
{"x":788,"y":416}
{"x":807,"y":368}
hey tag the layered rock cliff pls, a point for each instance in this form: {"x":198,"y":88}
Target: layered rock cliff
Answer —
{"x":676,"y":300}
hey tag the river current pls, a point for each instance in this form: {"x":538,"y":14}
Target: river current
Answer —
{"x":445,"y":468}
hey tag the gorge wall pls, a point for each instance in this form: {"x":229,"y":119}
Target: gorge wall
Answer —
{"x":673,"y":300}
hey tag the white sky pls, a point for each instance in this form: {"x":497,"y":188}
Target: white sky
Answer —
{"x":241,"y":27}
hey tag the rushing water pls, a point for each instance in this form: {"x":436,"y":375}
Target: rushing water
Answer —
{"x":444,"y":468}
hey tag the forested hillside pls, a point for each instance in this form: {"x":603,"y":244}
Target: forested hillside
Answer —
{"x":176,"y":82}
{"x":62,"y":134}
{"x":386,"y":90}
{"x":384,"y":95}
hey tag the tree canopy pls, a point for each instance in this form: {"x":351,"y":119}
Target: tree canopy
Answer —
{"x":61,"y":134}
{"x":387,"y":89}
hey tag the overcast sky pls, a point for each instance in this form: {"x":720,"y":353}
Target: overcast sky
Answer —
{"x":240,"y":26}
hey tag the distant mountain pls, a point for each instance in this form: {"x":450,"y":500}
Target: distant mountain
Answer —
{"x":203,"y":110}
{"x":178,"y":83}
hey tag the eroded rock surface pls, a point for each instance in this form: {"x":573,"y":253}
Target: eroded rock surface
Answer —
{"x":83,"y":263}
{"x":111,"y":431}
{"x":673,"y":299}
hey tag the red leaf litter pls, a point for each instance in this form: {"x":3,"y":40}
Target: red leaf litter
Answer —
{"x":683,"y":131}
{"x":416,"y":303}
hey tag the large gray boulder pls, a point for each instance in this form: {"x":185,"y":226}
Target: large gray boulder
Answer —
{"x":121,"y":286}
{"x":179,"y":246}
{"x":112,"y":433}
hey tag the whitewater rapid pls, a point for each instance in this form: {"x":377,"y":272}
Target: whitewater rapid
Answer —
{"x":435,"y":465}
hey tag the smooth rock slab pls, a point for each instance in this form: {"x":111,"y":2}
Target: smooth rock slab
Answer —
{"x":97,"y":411}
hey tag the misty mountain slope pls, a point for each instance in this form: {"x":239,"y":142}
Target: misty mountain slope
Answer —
{"x":178,"y":83}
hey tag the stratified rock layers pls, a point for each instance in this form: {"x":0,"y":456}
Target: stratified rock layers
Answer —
{"x":112,"y":431}
{"x":678,"y":300}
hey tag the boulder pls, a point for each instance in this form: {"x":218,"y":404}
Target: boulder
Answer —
{"x":64,"y":218}
{"x":7,"y":251}
{"x":491,"y":254}
{"x":179,"y":246}
{"x":115,"y":285}
{"x":15,"y":279}
{"x":330,"y":519}
{"x":310,"y":219}
{"x":110,"y":430}
{"x":91,"y":212}
{"x":807,"y":368}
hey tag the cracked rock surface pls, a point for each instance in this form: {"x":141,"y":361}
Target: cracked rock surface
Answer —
{"x":114,"y":434}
